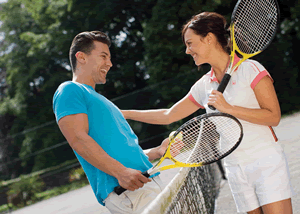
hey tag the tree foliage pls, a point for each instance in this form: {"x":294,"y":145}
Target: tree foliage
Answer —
{"x":150,"y":67}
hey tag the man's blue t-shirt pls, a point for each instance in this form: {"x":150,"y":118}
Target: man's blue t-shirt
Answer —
{"x":107,"y":127}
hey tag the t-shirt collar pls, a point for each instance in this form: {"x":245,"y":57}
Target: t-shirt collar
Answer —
{"x":213,"y":77}
{"x":88,"y":86}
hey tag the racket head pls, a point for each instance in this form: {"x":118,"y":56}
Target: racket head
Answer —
{"x":255,"y":23}
{"x":206,"y":138}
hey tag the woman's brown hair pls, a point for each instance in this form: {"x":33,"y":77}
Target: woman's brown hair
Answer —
{"x":209,"y":22}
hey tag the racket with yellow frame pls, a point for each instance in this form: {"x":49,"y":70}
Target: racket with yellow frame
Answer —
{"x":200,"y":141}
{"x":253,"y":26}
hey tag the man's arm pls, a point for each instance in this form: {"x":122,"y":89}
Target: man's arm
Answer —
{"x":75,"y":129}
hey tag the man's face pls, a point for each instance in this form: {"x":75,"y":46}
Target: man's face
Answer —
{"x":98,"y":62}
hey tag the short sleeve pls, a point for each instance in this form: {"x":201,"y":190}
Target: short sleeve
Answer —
{"x":195,"y":94}
{"x":69,"y":99}
{"x":255,"y":72}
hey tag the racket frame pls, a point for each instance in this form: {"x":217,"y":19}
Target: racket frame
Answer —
{"x":119,"y":190}
{"x":235,"y":48}
{"x":201,"y":117}
{"x":168,"y":155}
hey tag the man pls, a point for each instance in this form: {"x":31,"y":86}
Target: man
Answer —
{"x":100,"y":136}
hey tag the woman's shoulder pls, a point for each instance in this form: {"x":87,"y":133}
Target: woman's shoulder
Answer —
{"x":252,"y":65}
{"x":203,"y":79}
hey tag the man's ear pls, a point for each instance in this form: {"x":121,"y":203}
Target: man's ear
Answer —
{"x":80,"y":56}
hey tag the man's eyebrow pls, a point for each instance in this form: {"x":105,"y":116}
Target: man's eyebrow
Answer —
{"x":103,"y":52}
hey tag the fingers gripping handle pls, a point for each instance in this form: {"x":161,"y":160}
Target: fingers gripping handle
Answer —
{"x":119,"y":190}
{"x":146,"y":174}
{"x":222,"y":87}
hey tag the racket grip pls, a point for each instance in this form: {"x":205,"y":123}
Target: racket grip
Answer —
{"x":224,"y":83}
{"x":119,"y":190}
{"x":146,"y":174}
{"x":211,"y":107}
{"x":222,"y":87}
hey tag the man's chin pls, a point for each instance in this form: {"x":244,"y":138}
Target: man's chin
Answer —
{"x":102,"y":82}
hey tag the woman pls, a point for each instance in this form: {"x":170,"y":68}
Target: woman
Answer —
{"x":257,"y":171}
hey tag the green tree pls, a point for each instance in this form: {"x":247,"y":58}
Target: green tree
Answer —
{"x":151,"y":69}
{"x":34,"y":68}
{"x":37,"y":36}
{"x":166,"y":58}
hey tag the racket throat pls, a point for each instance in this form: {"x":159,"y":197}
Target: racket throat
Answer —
{"x":151,"y":172}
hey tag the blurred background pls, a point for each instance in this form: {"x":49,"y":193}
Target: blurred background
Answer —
{"x":150,"y":70}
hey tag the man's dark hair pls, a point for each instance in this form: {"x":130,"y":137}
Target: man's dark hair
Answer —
{"x":84,"y":42}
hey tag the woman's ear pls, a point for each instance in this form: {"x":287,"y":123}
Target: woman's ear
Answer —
{"x":210,"y":38}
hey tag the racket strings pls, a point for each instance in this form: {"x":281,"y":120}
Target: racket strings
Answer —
{"x":255,"y":24}
{"x":206,"y":140}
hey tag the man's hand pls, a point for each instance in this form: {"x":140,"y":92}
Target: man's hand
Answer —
{"x":163,"y":147}
{"x":158,"y":151}
{"x":132,"y":179}
{"x":175,"y":147}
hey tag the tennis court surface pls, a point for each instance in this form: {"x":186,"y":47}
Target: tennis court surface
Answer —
{"x":82,"y":201}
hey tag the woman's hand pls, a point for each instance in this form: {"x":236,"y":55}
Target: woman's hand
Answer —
{"x":217,"y":100}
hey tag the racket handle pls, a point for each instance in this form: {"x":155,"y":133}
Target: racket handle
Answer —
{"x":119,"y":190}
{"x":222,"y":87}
{"x":211,"y":107}
{"x":146,"y":174}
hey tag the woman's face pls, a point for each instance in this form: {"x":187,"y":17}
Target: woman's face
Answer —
{"x":197,"y":47}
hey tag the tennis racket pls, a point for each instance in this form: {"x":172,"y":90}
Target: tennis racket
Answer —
{"x":253,"y":26}
{"x":200,"y":141}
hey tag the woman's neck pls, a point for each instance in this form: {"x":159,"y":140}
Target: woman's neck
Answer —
{"x":220,"y":64}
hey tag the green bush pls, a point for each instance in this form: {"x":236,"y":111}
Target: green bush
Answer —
{"x":5,"y":207}
{"x":28,"y":189}
{"x":76,"y":174}
{"x":24,"y":191}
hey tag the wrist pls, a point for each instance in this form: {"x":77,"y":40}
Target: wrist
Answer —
{"x":230,"y":109}
{"x":154,"y":154}
{"x":117,"y":170}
